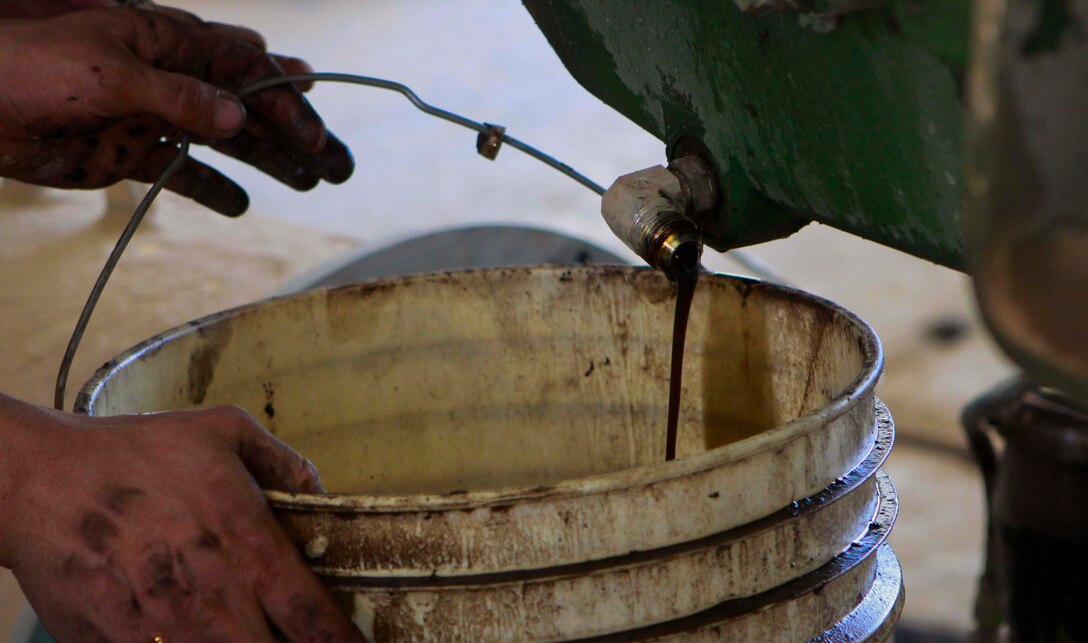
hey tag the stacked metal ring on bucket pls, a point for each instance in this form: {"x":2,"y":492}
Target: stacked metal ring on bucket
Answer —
{"x":495,"y":439}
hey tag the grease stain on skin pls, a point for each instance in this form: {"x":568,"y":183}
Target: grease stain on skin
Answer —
{"x":118,"y":499}
{"x":160,"y":574}
{"x":167,"y":574}
{"x":73,"y":566}
{"x":134,"y":605}
{"x":97,"y":530}
{"x":209,"y":541}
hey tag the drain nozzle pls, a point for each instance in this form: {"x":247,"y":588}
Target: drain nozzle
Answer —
{"x":650,"y":211}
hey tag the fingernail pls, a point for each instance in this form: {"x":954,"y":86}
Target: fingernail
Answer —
{"x":318,"y":137}
{"x":230,"y":115}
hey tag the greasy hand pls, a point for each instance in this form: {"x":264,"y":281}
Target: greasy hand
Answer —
{"x":92,"y":97}
{"x":46,"y":8}
{"x":128,"y":528}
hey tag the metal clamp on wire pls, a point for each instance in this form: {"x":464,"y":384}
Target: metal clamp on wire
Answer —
{"x":655,"y":212}
{"x":490,"y":140}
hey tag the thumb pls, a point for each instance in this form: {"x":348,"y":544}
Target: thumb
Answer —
{"x":189,"y":104}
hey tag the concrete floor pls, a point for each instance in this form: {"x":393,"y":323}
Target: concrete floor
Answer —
{"x":486,"y":60}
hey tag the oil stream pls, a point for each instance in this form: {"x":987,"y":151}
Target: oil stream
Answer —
{"x":686,"y":274}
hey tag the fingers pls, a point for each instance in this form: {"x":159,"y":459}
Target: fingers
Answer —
{"x":272,"y":463}
{"x":297,"y":603}
{"x":84,"y":162}
{"x":193,"y":180}
{"x":181,"y":50}
{"x":289,"y":64}
{"x":278,"y":114}
{"x":292,"y":66}
{"x":221,"y":605}
{"x":238,"y":32}
{"x":187,"y":103}
{"x":132,"y":149}
{"x":333,"y":164}
{"x":269,"y":159}
{"x":291,"y":596}
{"x":234,"y":64}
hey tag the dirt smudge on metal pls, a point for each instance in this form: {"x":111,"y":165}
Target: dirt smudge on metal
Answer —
{"x":204,"y":359}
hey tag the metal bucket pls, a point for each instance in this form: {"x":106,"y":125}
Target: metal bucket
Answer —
{"x":494,"y":440}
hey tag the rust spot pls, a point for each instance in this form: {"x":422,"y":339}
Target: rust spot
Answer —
{"x":269,"y":400}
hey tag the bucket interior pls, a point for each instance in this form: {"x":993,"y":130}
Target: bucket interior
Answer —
{"x":498,"y":378}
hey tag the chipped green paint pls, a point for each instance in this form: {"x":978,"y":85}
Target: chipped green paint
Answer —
{"x":858,"y":128}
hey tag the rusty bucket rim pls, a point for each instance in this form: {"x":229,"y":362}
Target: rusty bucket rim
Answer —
{"x":867,"y":471}
{"x":872,"y":546}
{"x":859,"y":389}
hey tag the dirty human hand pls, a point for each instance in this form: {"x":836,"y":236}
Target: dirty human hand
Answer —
{"x":135,"y":527}
{"x":47,"y":8}
{"x":94,"y":96}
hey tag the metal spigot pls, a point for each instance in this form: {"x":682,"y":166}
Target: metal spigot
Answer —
{"x":655,"y":212}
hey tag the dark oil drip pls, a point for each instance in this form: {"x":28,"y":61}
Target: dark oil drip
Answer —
{"x":685,"y":291}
